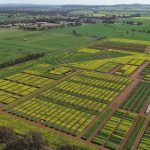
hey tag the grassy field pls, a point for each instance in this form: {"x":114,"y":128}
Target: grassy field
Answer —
{"x":16,"y":43}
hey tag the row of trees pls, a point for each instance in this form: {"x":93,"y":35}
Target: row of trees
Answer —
{"x":9,"y":140}
{"x":21,"y":60}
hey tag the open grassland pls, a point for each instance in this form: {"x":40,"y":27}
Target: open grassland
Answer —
{"x":16,"y":43}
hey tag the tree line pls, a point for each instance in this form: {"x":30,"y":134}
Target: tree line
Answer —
{"x":21,"y":60}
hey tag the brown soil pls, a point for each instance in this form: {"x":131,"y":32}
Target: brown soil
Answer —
{"x":115,"y":69}
{"x":136,"y":73}
{"x":119,"y":100}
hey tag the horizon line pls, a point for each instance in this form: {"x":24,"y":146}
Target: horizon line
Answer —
{"x":75,"y":4}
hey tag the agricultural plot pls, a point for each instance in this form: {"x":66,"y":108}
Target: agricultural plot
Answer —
{"x":135,"y":133}
{"x":146,"y":73}
{"x":135,"y":62}
{"x":94,"y":85}
{"x":29,"y":79}
{"x":137,"y":98}
{"x":126,"y":70}
{"x":92,"y":129}
{"x":40,"y":69}
{"x":145,"y":141}
{"x":60,"y":71}
{"x":129,"y":67}
{"x":16,"y":88}
{"x":107,"y":67}
{"x":88,"y":51}
{"x":71,"y":105}
{"x":54,"y":115}
{"x":123,"y":44}
{"x":7,"y":98}
{"x":112,"y":134}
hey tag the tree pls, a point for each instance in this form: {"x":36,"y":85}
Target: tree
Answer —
{"x":7,"y":135}
{"x":74,"y":32}
{"x":30,"y":141}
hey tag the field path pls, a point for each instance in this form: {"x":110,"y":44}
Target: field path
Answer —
{"x":115,"y":69}
{"x":126,"y":92}
{"x":136,"y":73}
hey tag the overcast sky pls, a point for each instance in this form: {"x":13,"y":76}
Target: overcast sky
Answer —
{"x":88,"y":2}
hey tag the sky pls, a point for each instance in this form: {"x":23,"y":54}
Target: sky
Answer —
{"x":88,"y":2}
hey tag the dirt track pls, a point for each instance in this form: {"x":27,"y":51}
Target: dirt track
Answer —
{"x":136,"y":73}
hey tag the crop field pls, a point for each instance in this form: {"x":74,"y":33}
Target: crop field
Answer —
{"x":15,"y":88}
{"x":28,"y":79}
{"x":145,"y":141}
{"x":88,"y":51}
{"x":74,"y":103}
{"x":107,"y":67}
{"x":114,"y":131}
{"x":124,"y":44}
{"x":146,"y":73}
{"x":137,"y":98}
{"x":77,"y":95}
{"x":126,"y":70}
{"x":6,"y":97}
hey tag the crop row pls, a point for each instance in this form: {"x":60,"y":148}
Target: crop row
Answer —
{"x":6,"y":97}
{"x":16,"y":88}
{"x":28,"y":79}
{"x":88,"y":51}
{"x":112,"y":134}
{"x":60,"y":71}
{"x":87,"y":91}
{"x":137,"y":98}
{"x":93,"y":128}
{"x":124,"y":44}
{"x":135,"y":62}
{"x":126,"y":70}
{"x":145,"y":141}
{"x":107,"y":67}
{"x":135,"y":133}
{"x":146,"y":73}
{"x":101,"y":76}
{"x":72,"y":101}
{"x":97,"y":83}
{"x":40,"y":69}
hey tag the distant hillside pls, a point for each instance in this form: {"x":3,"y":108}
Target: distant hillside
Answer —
{"x":132,"y":7}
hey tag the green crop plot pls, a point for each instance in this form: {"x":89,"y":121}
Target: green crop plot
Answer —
{"x":137,"y":98}
{"x":145,"y":141}
{"x":115,"y":130}
{"x":146,"y":73}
